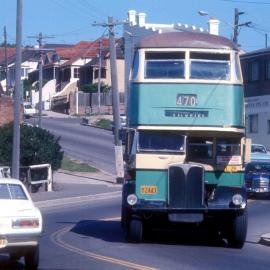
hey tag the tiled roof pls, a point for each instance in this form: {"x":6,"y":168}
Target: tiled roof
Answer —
{"x":83,"y":49}
{"x":10,"y":52}
{"x":28,"y":54}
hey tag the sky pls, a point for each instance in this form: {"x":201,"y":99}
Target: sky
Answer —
{"x":70,"y":21}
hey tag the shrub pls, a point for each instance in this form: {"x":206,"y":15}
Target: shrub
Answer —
{"x":37,"y":146}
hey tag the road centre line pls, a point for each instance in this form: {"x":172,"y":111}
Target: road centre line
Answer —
{"x":56,"y":238}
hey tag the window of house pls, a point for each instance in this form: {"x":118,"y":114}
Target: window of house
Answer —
{"x":253,"y":123}
{"x":76,"y":72}
{"x":267,"y":69}
{"x":102,"y":74}
{"x":254,"y":71}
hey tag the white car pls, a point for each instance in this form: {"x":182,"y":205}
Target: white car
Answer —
{"x":28,"y":110}
{"x":20,"y":223}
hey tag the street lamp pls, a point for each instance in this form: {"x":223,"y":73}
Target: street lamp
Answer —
{"x":213,"y":24}
{"x":236,"y":26}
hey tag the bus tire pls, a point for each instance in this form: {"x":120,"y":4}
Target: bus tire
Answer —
{"x":238,"y":231}
{"x":135,"y":232}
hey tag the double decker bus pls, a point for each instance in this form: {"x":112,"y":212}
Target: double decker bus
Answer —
{"x":186,"y":146}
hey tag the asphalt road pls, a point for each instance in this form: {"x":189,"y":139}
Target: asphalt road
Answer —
{"x":88,"y":236}
{"x":91,"y":145}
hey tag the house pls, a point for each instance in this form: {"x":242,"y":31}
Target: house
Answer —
{"x":89,"y":72}
{"x":30,"y":58}
{"x":256,"y":76}
{"x":4,"y":53}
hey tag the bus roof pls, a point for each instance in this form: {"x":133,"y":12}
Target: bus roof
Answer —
{"x":186,"y":40}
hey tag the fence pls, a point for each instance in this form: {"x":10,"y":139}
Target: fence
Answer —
{"x":87,"y":103}
{"x":32,"y":176}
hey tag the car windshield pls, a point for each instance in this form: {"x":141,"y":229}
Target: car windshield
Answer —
{"x":12,"y":192}
{"x":258,"y":149}
{"x":155,"y":141}
{"x":258,"y":167}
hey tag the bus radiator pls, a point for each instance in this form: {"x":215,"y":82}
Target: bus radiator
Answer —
{"x":186,"y":186}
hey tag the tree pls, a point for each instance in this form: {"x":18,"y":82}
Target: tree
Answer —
{"x":38,"y":146}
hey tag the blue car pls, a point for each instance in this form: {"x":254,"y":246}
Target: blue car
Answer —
{"x":257,"y":175}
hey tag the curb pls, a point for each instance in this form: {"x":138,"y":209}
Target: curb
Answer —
{"x":265,"y":239}
{"x":78,"y":199}
{"x":92,"y":176}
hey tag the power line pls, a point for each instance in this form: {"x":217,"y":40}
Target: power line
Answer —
{"x":247,"y":2}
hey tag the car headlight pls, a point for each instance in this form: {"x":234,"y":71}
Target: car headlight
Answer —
{"x":132,"y":199}
{"x":237,"y":199}
{"x":22,"y":223}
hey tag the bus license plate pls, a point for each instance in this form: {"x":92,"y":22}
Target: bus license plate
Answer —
{"x":230,"y":169}
{"x":149,"y":189}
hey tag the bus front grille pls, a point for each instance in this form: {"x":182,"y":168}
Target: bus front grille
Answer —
{"x":186,"y":186}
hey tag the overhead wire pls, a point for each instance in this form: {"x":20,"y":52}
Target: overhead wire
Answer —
{"x":248,"y":2}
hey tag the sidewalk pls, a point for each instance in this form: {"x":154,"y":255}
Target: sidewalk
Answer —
{"x":73,"y":186}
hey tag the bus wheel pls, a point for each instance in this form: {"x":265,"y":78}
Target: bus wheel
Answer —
{"x":135,"y":230}
{"x":238,"y":231}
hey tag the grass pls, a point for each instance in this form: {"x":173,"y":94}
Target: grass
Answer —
{"x":103,"y":123}
{"x":76,"y":166}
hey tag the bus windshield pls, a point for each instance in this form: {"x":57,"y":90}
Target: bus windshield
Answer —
{"x":158,"y":141}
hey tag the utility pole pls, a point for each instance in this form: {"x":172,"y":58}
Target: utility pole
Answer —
{"x":6,"y":61}
{"x":16,"y":124}
{"x":237,"y":26}
{"x":116,"y":115}
{"x":266,"y":40}
{"x":99,"y":74}
{"x":40,"y":38}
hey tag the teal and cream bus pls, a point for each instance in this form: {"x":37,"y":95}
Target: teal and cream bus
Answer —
{"x":186,"y":147}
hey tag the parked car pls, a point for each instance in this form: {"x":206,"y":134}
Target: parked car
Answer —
{"x":257,"y":176}
{"x":20,"y":223}
{"x":259,"y":153}
{"x":28,"y":110}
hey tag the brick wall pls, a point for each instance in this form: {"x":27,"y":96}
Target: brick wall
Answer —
{"x":6,"y":110}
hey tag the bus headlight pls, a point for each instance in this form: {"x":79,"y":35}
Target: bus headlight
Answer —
{"x":132,"y":199}
{"x":237,"y":199}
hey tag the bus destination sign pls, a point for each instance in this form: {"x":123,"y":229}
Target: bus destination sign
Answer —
{"x":186,"y":113}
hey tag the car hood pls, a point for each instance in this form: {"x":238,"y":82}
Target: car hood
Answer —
{"x":12,"y":208}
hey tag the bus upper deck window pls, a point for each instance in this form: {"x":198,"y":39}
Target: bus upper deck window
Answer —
{"x":164,"y":65}
{"x":209,"y":66}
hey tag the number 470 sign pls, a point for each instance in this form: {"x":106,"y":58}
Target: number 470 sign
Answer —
{"x":186,"y":100}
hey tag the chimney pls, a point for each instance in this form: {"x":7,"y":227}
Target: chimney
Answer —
{"x":132,"y":17}
{"x":213,"y":26}
{"x":141,"y":19}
